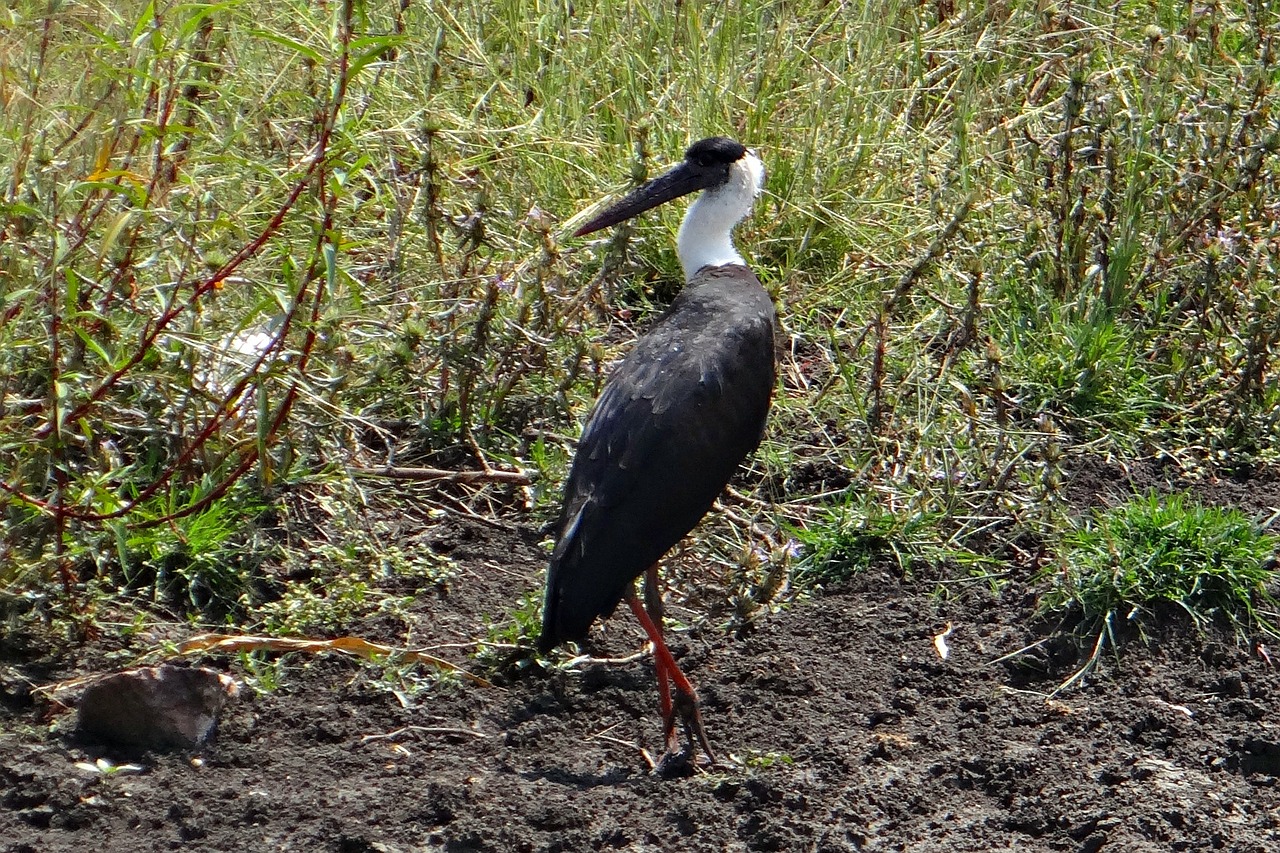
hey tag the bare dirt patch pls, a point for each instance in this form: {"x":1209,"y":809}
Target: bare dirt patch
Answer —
{"x":847,"y":730}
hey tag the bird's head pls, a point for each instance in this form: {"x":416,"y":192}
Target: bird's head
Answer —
{"x":731,"y":172}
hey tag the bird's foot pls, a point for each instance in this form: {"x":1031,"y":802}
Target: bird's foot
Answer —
{"x":678,"y":764}
{"x":680,"y":761}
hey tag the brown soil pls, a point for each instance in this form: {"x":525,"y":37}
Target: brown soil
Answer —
{"x":839,"y":726}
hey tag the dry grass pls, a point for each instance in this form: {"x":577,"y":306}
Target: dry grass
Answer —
{"x":244,"y":248}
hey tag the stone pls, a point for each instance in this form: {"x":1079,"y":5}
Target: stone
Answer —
{"x":158,"y":707}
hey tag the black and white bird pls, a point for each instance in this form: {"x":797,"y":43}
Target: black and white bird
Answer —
{"x":676,"y":418}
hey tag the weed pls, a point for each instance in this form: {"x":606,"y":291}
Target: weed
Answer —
{"x":106,"y":770}
{"x":407,"y":681}
{"x":758,"y":581}
{"x":509,"y":641}
{"x":351,"y":583}
{"x":319,"y":605}
{"x":262,"y":672}
{"x":758,"y":760}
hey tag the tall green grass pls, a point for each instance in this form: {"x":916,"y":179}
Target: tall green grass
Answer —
{"x":998,"y":234}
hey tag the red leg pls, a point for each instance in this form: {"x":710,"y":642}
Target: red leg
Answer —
{"x":653,"y":604}
{"x":685,"y":701}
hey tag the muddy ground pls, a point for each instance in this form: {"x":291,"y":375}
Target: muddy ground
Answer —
{"x":839,"y":726}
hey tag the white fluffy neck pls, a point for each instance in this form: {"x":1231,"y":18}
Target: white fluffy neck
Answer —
{"x":705,"y":237}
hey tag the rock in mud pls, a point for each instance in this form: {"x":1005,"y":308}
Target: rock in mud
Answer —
{"x":155,"y":707}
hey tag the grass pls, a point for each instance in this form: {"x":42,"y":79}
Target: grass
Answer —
{"x":849,"y":539}
{"x":1000,"y":236}
{"x":1212,"y":562}
{"x":1129,"y":564}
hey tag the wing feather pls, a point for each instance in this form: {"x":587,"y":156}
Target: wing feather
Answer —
{"x":675,"y":419}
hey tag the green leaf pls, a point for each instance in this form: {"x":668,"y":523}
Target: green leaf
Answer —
{"x":291,"y":44}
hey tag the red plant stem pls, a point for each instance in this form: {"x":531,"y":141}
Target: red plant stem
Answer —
{"x":157,"y":326}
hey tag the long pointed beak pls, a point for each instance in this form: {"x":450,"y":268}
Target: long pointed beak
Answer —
{"x":681,"y":180}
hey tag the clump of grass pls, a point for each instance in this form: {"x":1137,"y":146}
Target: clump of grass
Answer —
{"x":204,"y":562}
{"x":848,"y":539}
{"x":1133,"y":561}
{"x":1089,"y":372}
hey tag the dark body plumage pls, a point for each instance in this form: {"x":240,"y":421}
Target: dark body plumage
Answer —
{"x":674,"y":421}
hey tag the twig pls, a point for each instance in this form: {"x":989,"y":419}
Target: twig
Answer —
{"x":632,"y":658}
{"x":430,"y":730}
{"x":757,"y":530}
{"x":459,"y":506}
{"x":390,"y":472}
{"x":918,"y":269}
{"x":644,"y":753}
